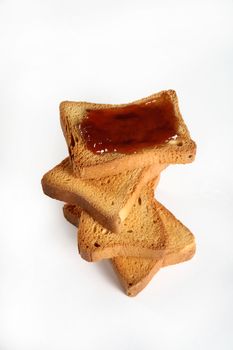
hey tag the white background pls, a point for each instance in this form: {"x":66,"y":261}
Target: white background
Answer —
{"x":114,"y":52}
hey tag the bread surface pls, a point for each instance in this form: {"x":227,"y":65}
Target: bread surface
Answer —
{"x":142,"y":233}
{"x":135,"y":273}
{"x":109,"y":199}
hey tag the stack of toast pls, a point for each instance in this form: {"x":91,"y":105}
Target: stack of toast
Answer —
{"x":109,"y":195}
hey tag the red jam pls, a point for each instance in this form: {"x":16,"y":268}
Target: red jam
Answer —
{"x":131,"y":128}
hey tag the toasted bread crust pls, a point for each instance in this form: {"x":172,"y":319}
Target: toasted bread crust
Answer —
{"x":129,"y":161}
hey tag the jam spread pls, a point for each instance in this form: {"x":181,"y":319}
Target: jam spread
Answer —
{"x":131,"y":128}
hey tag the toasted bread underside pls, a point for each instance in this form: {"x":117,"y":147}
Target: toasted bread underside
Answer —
{"x":89,"y":165}
{"x":142,"y":233}
{"x":108,"y":200}
{"x":135,"y":273}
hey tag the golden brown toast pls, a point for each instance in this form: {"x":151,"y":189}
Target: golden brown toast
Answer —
{"x":87,"y":164}
{"x":135,"y":273}
{"x":142,"y":233}
{"x":109,"y":199}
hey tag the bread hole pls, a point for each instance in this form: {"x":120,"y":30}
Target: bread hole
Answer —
{"x":190,"y":156}
{"x":130,"y":231}
{"x":97,"y":245}
{"x":112,"y":203}
{"x":139,"y":201}
{"x":108,"y":181}
{"x":180,"y":144}
{"x":94,"y":229}
{"x":130,"y":284}
{"x":72,"y":142}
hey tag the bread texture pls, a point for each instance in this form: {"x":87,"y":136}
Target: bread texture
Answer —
{"x":142,"y":233}
{"x":86,"y":164}
{"x":135,"y":273}
{"x":108,"y":200}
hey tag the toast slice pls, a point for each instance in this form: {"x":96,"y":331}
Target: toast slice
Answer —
{"x":87,"y":164}
{"x":142,"y":233}
{"x":108,"y":200}
{"x":136,"y":273}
